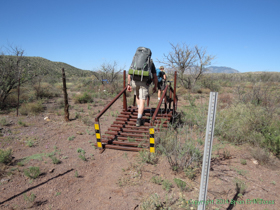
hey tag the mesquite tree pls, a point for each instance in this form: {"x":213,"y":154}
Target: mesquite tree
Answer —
{"x":190,"y":63}
{"x":14,"y":70}
{"x":108,"y":73}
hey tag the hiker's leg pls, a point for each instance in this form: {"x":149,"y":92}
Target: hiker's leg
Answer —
{"x":143,"y":95}
{"x":141,"y":106}
{"x":137,"y":101}
{"x":159,"y":89}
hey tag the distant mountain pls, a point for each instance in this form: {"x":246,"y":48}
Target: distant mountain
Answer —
{"x":222,"y":69}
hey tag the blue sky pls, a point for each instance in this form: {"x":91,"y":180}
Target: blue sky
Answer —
{"x":242,"y":34}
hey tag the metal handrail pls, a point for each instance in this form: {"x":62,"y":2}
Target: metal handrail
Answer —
{"x":110,"y":104}
{"x":175,"y":99}
{"x":158,"y":106}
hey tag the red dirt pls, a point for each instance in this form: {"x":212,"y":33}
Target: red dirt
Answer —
{"x":100,"y":178}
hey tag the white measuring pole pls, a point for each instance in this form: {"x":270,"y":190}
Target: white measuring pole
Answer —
{"x":207,"y":150}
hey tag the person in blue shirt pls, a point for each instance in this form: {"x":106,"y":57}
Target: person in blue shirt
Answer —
{"x":161,"y":80}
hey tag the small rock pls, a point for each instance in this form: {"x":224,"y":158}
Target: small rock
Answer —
{"x":51,"y":170}
{"x":255,"y":161}
{"x":5,"y":180}
{"x":79,"y":133}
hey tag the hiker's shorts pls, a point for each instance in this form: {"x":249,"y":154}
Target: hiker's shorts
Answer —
{"x":141,"y":89}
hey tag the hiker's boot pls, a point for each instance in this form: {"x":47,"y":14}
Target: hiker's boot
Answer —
{"x":139,"y":122}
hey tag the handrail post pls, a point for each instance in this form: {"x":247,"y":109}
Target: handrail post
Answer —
{"x":174,"y":93}
{"x":98,"y":134}
{"x":158,"y":106}
{"x":124,"y":94}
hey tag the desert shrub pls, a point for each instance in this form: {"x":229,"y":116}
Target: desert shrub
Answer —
{"x":196,"y":88}
{"x":147,"y":157}
{"x":248,"y":123}
{"x":20,"y":122}
{"x":261,"y":155}
{"x":32,"y":172}
{"x":6,"y":156}
{"x":29,"y":198}
{"x":181,"y":149}
{"x":31,"y":108}
{"x":210,"y":83}
{"x":71,"y":138}
{"x":83,"y":98}
{"x":3,"y":121}
{"x":114,"y":88}
{"x":60,"y":103}
{"x":195,"y":115}
{"x":271,"y":140}
{"x":87,"y":121}
{"x":153,"y":202}
{"x":190,"y":172}
{"x":82,"y":154}
{"x":167,"y":185}
{"x":157,"y":180}
{"x":55,"y":160}
{"x":30,"y":143}
{"x":180,"y":184}
{"x":45,"y":90}
{"x":181,"y":91}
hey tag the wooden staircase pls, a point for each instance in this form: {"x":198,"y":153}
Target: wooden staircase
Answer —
{"x":123,"y":133}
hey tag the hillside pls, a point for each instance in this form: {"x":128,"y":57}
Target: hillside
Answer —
{"x":54,"y":68}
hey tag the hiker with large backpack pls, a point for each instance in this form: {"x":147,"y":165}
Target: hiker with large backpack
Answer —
{"x":161,"y":80}
{"x":141,"y":74}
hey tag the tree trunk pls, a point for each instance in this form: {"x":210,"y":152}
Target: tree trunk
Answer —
{"x":66,"y":106}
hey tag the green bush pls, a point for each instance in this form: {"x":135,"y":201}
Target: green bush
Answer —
{"x":55,"y":160}
{"x":147,"y":157}
{"x":3,"y":121}
{"x":180,"y":184}
{"x":82,"y":154}
{"x":6,"y":156}
{"x":210,"y":83}
{"x":249,"y":123}
{"x":157,"y":180}
{"x":45,"y":90}
{"x":31,"y":108}
{"x":30,"y":143}
{"x":87,"y":120}
{"x":271,"y":140}
{"x":180,"y":148}
{"x":71,"y":138}
{"x":29,"y":198}
{"x":167,"y":185}
{"x":83,"y":98}
{"x":32,"y":172}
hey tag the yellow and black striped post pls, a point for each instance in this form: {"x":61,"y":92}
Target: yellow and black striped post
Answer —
{"x":98,"y":135}
{"x":152,"y":140}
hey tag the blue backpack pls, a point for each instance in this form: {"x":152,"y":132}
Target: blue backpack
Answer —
{"x":159,"y":75}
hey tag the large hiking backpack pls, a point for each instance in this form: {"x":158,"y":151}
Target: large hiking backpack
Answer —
{"x":159,"y":75}
{"x":141,"y":65}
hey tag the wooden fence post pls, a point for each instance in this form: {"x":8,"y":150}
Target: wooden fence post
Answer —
{"x":66,"y":106}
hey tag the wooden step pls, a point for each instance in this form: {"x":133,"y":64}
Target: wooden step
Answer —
{"x":132,"y":144}
{"x":133,"y":135}
{"x":136,"y":139}
{"x":110,"y":146}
